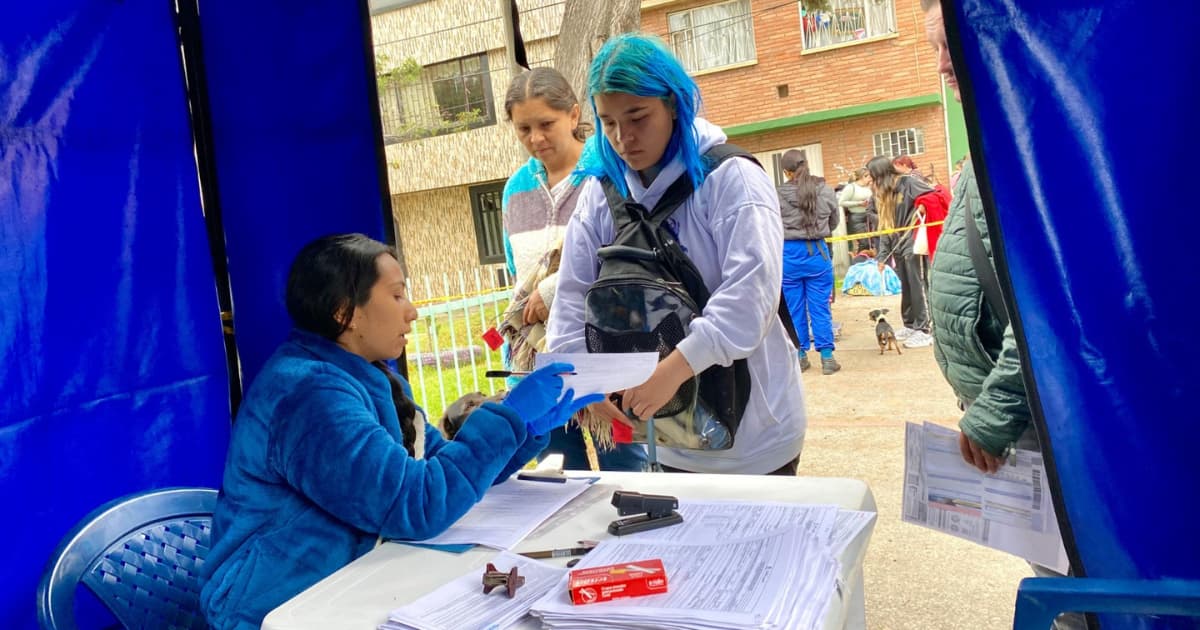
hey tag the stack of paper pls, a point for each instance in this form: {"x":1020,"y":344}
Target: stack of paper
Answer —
{"x":462,"y":604}
{"x":782,"y":579}
{"x":508,"y":512}
{"x":729,"y":565}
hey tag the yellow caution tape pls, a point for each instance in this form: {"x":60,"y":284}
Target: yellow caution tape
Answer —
{"x":860,"y":235}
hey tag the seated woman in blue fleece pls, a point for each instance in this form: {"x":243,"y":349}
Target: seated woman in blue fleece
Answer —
{"x":329,"y":453}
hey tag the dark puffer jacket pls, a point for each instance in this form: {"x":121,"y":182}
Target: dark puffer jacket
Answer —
{"x":976,"y":353}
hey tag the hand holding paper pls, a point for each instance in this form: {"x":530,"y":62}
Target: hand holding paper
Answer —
{"x":646,"y":399}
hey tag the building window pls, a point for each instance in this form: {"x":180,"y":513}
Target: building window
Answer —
{"x":900,"y":142}
{"x":712,"y":36}
{"x":487,"y":211}
{"x":418,"y":102}
{"x":831,"y":22}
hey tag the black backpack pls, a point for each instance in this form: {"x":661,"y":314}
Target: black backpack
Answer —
{"x":643,"y":300}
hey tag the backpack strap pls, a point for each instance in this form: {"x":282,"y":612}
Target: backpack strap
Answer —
{"x":672,"y":199}
{"x":984,"y":272}
{"x":721,"y":152}
{"x":616,"y":204}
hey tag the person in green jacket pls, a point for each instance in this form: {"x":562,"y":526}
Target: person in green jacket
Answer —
{"x":973,"y":345}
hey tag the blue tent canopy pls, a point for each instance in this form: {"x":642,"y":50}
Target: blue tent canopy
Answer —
{"x":116,"y":168}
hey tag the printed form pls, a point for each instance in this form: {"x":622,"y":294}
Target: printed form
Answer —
{"x":602,"y":373}
{"x":1010,"y":510}
{"x":462,"y":604}
{"x":781,"y":579}
{"x":706,"y":522}
{"x":508,"y":512}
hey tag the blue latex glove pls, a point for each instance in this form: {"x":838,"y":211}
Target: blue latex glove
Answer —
{"x":561,"y":413}
{"x":536,"y":399}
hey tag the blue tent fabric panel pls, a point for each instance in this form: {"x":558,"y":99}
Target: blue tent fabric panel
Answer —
{"x":1084,"y":141}
{"x":114,"y":377}
{"x":297,"y":146}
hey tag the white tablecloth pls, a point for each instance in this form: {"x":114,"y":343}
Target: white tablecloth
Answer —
{"x":361,"y":594}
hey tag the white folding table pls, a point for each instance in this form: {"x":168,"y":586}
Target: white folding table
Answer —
{"x":360,"y":595}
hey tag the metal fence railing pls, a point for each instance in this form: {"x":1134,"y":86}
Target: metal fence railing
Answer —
{"x":446,"y":354}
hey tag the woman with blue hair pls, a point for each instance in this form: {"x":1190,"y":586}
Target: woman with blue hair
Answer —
{"x":730,"y":227}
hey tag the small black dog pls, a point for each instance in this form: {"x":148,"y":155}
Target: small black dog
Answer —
{"x":883,"y":331}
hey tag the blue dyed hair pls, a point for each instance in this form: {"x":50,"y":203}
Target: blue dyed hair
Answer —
{"x":639,"y":64}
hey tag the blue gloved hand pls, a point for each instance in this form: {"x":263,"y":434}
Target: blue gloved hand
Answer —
{"x":539,"y":392}
{"x":536,"y":399}
{"x":561,"y":413}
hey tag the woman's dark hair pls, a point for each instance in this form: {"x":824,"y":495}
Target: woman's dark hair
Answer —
{"x":549,"y":85}
{"x":328,"y":279}
{"x":884,"y":178}
{"x":794,"y":161}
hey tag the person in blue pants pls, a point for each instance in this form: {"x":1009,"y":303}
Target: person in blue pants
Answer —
{"x":809,"y":210}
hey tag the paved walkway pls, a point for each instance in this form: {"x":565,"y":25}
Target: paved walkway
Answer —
{"x":916,"y":578}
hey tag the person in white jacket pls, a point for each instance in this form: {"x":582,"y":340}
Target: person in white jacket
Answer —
{"x":730,"y":228}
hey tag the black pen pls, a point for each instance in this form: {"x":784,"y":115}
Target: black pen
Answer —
{"x":508,"y":373}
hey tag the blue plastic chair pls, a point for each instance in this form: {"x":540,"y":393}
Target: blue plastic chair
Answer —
{"x":1040,"y":600}
{"x":140,"y":554}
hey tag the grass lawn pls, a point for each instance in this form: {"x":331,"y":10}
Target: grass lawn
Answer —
{"x":458,"y":328}
{"x":439,"y":389}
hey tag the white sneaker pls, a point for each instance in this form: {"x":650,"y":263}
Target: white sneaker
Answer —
{"x":904,"y":333}
{"x":919,"y":340}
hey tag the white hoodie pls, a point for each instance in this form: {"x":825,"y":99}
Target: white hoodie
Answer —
{"x":731,"y":229}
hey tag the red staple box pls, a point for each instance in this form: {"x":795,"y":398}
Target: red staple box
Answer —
{"x":614,"y":581}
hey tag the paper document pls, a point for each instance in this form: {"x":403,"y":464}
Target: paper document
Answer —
{"x":847,"y":527}
{"x":724,"y":521}
{"x":784,"y":579}
{"x":508,"y":512}
{"x":1010,"y":510}
{"x":602,"y":373}
{"x":462,"y":605}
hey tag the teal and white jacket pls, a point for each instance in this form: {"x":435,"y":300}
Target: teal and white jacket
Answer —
{"x":536,"y":216}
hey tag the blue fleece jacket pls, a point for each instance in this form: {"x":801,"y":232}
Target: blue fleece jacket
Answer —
{"x":317,"y":470}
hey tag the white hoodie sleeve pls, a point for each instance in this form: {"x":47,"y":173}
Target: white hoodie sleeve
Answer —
{"x":577,"y":270}
{"x":744,"y":220}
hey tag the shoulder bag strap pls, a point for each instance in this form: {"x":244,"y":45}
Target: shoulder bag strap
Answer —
{"x":984,"y":272}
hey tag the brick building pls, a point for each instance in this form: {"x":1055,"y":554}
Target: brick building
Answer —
{"x":843,"y":79}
